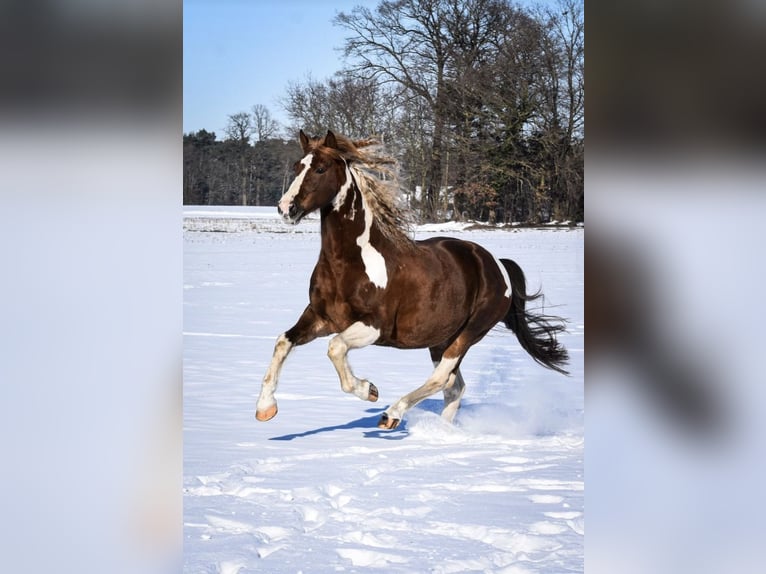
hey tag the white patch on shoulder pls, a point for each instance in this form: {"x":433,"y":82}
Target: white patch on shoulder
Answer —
{"x":374,"y":263}
{"x":507,"y":279}
{"x":295,"y":186}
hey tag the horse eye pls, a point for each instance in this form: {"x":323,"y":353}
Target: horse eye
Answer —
{"x":321,"y":169}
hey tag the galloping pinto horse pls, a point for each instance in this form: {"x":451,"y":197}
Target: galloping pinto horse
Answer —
{"x":373,"y":285}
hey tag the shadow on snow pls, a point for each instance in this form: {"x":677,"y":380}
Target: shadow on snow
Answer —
{"x":368,"y":422}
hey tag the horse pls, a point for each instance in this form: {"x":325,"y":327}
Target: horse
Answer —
{"x":375,"y":285}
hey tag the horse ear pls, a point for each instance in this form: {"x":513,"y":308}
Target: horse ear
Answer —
{"x":304,"y":142}
{"x":330,"y":141}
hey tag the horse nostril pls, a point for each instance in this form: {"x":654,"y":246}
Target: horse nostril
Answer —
{"x":290,"y":211}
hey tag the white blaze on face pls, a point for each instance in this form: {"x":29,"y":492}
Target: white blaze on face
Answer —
{"x":295,"y":186}
{"x":374,"y":264}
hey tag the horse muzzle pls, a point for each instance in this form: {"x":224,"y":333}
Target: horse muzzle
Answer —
{"x":293,"y":214}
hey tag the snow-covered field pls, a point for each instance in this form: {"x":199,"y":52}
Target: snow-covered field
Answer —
{"x":320,"y":488}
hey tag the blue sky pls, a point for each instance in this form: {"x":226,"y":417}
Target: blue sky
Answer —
{"x":238,"y":53}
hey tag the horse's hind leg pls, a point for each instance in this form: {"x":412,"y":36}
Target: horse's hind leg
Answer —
{"x":356,"y":336}
{"x":454,"y":389}
{"x":453,"y":392}
{"x":436,"y":382}
{"x":308,"y":328}
{"x":474,"y":330}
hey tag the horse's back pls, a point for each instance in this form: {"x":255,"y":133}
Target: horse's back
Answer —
{"x":470,"y":257}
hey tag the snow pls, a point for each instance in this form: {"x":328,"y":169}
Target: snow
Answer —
{"x":232,"y":218}
{"x":448,"y":227}
{"x":320,"y":488}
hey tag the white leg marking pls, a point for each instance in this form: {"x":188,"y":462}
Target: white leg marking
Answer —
{"x":295,"y":186}
{"x":356,"y":336}
{"x":453,"y":392}
{"x":374,"y":263}
{"x":437,"y":381}
{"x":269,"y":386}
{"x":507,"y":279}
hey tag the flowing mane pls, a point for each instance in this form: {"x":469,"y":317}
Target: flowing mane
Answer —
{"x":377,"y":176}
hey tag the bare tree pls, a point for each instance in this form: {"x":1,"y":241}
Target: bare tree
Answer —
{"x":562,"y":103}
{"x":264,"y":126}
{"x":240,"y":130}
{"x":350,"y":105}
{"x":405,"y":42}
{"x":239,"y":127}
{"x":480,"y":100}
{"x":264,"y":129}
{"x":306,"y":104}
{"x":427,"y":47}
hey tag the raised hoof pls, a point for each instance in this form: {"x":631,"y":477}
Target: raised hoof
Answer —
{"x":387,"y":422}
{"x":266,"y":415}
{"x":373,"y":396}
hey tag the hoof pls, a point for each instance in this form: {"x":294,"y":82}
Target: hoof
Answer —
{"x":266,"y":415}
{"x":373,"y":396}
{"x":387,"y":422}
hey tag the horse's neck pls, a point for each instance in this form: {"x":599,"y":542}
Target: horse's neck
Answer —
{"x":349,"y":223}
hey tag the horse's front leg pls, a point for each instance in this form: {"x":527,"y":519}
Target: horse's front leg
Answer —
{"x":308,"y":328}
{"x":356,"y":336}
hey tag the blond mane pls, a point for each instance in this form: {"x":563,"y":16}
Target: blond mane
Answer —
{"x":377,"y":177}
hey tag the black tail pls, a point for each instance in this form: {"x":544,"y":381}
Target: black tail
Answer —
{"x":536,"y":333}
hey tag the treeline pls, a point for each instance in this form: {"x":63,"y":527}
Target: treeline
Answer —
{"x":481,"y":101}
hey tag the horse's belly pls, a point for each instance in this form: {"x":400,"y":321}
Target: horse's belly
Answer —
{"x":422,"y":327}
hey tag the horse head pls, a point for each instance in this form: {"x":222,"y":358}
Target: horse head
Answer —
{"x":319,"y":177}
